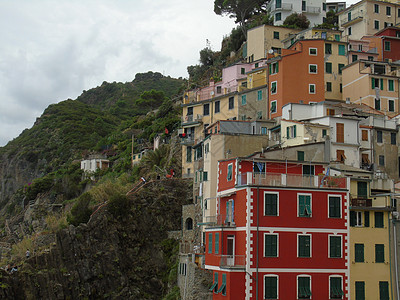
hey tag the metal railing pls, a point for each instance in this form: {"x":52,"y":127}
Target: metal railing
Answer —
{"x":361,"y":202}
{"x":232,"y":261}
{"x":192,"y":118}
{"x":310,"y":181}
{"x":284,"y":6}
{"x":313,"y":10}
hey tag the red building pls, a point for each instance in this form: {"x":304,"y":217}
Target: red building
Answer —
{"x":387,"y":43}
{"x":281,"y":231}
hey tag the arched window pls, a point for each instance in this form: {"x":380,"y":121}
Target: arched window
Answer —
{"x":189,"y":224}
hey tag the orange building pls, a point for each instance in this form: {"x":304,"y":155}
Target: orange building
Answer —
{"x":309,"y":71}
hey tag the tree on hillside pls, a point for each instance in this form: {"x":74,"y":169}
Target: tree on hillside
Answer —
{"x":241,"y":10}
{"x":331,"y":21}
{"x":298,"y":21}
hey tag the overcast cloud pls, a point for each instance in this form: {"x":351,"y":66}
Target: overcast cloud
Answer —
{"x":53,"y":50}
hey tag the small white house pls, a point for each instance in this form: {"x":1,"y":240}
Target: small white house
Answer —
{"x":92,"y":165}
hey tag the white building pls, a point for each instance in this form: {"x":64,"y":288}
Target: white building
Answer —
{"x":91,"y":165}
{"x":314,"y":10}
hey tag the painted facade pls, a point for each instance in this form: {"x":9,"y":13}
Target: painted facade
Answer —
{"x":277,"y":238}
{"x":386,"y":43}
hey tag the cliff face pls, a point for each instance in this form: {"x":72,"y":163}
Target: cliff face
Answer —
{"x":125,"y":255}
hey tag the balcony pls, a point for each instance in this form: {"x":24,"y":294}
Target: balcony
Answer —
{"x":188,"y":141}
{"x":218,"y":221}
{"x":361,"y":202}
{"x":313,"y":10}
{"x":354,"y":18}
{"x":233,"y":261}
{"x":284,"y":6}
{"x":192,"y":119}
{"x":292,"y":180}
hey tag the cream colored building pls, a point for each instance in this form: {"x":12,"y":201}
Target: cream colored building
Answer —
{"x":367,"y":17}
{"x":298,"y":133}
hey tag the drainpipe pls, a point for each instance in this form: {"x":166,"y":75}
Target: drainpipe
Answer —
{"x":257,"y":239}
{"x":395,"y":260}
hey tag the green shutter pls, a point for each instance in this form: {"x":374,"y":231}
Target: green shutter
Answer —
{"x":360,"y":290}
{"x":222,"y":289}
{"x":304,"y":206}
{"x":271,"y":287}
{"x":362,"y":189}
{"x":230,"y":170}
{"x":270,"y":68}
{"x":270,"y":244}
{"x":335,"y":246}
{"x":287,"y":132}
{"x":300,"y":155}
{"x":391,"y":85}
{"x":342,"y":50}
{"x":336,"y":291}
{"x":277,"y":67}
{"x":210,"y":242}
{"x":366,"y":218}
{"x":359,"y":252}
{"x":379,"y":219}
{"x":381,"y":81}
{"x":294,"y":131}
{"x":216,"y":244}
{"x":271,"y":205}
{"x":379,"y":253}
{"x":304,"y":246}
{"x":352,"y":218}
{"x":304,"y":287}
{"x":383,"y":290}
{"x":372,"y":83}
{"x":334,"y":207}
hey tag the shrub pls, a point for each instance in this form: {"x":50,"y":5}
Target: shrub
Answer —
{"x":118,"y":205}
{"x":80,"y":212}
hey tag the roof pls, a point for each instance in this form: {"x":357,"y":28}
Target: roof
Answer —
{"x":347,"y":168}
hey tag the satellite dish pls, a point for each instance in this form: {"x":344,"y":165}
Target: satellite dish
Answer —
{"x":270,"y":51}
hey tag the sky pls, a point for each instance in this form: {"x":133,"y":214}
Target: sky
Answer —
{"x":53,"y":50}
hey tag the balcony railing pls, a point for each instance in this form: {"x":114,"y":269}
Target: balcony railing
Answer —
{"x":191,"y":119}
{"x":284,"y":6}
{"x":292,"y":180}
{"x":313,"y":10}
{"x":354,"y":18}
{"x":361,"y":202}
{"x":232,"y":261}
{"x":218,"y":220}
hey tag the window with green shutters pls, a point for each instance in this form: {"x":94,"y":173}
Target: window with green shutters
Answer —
{"x":304,"y":205}
{"x":335,"y":246}
{"x":391,"y":105}
{"x":337,"y":37}
{"x":270,"y":204}
{"x":271,"y":287}
{"x":304,"y":242}
{"x":222,"y":289}
{"x":276,"y":35}
{"x":360,"y":290}
{"x":273,"y":107}
{"x":328,"y":67}
{"x":381,"y":83}
{"x":387,"y":46}
{"x":216,"y":243}
{"x":189,"y":154}
{"x":379,"y":253}
{"x":362,"y":191}
{"x":300,"y":155}
{"x":379,"y":219}
{"x":390,"y":85}
{"x":359,"y":252}
{"x":383,"y":290}
{"x":329,"y":86}
{"x":334,"y":207}
{"x":342,"y":50}
{"x":340,"y":67}
{"x":366,"y":219}
{"x":273,"y":87}
{"x":214,"y":287}
{"x":328,"y":48}
{"x":210,"y":242}
{"x":304,"y":287}
{"x":270,"y":245}
{"x":259,"y":95}
{"x":230,"y":171}
{"x":244,"y":99}
{"x":336,"y":291}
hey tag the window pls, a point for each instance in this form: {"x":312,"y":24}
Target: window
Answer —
{"x":222,"y":289}
{"x":259,"y":95}
{"x":330,"y":112}
{"x":349,"y":16}
{"x":376,"y":24}
{"x":370,"y":58}
{"x":328,"y":48}
{"x":387,"y":45}
{"x":334,"y":206}
{"x":383,"y":290}
{"x":270,"y":287}
{"x":273,"y":107}
{"x":376,"y":83}
{"x":379,"y":253}
{"x":312,"y":51}
{"x":377,"y":104}
{"x":242,"y":71}
{"x":189,"y":154}
{"x":349,"y":31}
{"x":278,"y":16}
{"x":274,"y":68}
{"x":340,"y":132}
{"x":362,"y":189}
{"x":300,"y":155}
{"x":311,"y":88}
{"x":210,"y":242}
{"x":360,"y":47}
{"x":335,"y":288}
{"x":335,"y":246}
{"x":340,"y":88}
{"x":312,"y":69}
{"x":376,"y":8}
{"x":340,"y":67}
{"x":270,"y":245}
{"x":340,"y":156}
{"x":355,"y":219}
{"x":217,"y":107}
{"x":324,"y":6}
{"x":231,"y":103}
{"x":291,"y":132}
{"x":256,"y":65}
{"x":304,"y":205}
{"x":354,"y":58}
{"x":393,"y":138}
{"x":304,"y":287}
{"x":359,"y":252}
{"x":342,"y":50}
{"x":276,"y":35}
{"x":216,"y":243}
{"x":391,"y":86}
{"x":263,"y":130}
{"x":304,"y":246}
{"x":273,"y":87}
{"x":391,"y":105}
{"x":270,"y":204}
{"x":230,"y":171}
{"x":328,"y":67}
{"x":206,"y":109}
{"x":364,"y":135}
{"x":259,"y":115}
{"x":329,"y":86}
{"x":388,"y":10}
{"x":379,"y":136}
{"x":360,"y":290}
{"x":219,"y":89}
{"x":244,"y":99}
{"x":379,"y":219}
{"x":303,"y":5}
{"x":308,"y":170}
{"x":366,"y":218}
{"x":323,"y":132}
{"x":190,"y":111}
{"x":214,"y":287}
